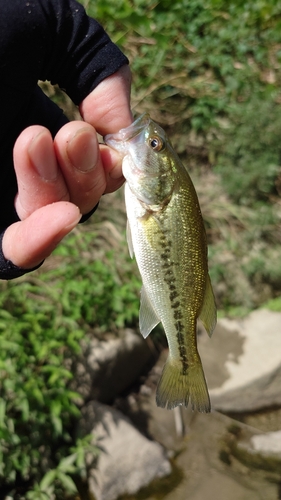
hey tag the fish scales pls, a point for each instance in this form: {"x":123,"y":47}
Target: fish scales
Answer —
{"x":166,"y":233}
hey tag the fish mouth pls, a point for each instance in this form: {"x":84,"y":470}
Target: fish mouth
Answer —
{"x":125,"y":134}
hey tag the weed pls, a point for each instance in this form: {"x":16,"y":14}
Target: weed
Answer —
{"x":43,"y":317}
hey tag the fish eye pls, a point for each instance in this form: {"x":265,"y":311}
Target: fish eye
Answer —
{"x":156,"y":143}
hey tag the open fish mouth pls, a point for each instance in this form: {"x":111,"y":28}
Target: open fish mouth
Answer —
{"x":125,"y":134}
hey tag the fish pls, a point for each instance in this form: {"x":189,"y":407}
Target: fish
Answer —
{"x":166,"y":234}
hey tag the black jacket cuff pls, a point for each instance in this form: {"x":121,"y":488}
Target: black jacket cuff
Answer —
{"x":8,"y":270}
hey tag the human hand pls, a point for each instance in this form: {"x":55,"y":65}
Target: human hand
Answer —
{"x":60,"y":180}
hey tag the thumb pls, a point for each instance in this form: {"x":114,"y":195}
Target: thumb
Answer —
{"x":28,"y":242}
{"x":107,"y":107}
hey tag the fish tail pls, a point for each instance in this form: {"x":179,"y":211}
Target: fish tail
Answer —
{"x":177,"y":388}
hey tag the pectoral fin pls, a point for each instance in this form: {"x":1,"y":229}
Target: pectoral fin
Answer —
{"x":208,"y":314}
{"x":148,"y":317}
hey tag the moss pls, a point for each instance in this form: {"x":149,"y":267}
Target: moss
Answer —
{"x":257,"y":461}
{"x":231,"y":448}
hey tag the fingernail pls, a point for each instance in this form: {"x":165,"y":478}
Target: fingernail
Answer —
{"x":83,"y":150}
{"x":43,"y":157}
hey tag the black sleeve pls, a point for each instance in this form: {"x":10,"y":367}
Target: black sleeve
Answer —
{"x":43,"y":40}
{"x":8,"y":270}
{"x":55,"y":40}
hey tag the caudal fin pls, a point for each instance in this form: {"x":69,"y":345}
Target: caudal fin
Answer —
{"x":176,"y":388}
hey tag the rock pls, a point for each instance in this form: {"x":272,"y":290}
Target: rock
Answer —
{"x":128,"y":461}
{"x":268,"y":443}
{"x":242,"y":362}
{"x":110,"y":366}
{"x":209,"y":468}
{"x":261,"y":452}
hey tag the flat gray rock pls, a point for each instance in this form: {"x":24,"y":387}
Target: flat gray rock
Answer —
{"x":128,"y":461}
{"x":206,"y":475}
{"x":242,"y":362}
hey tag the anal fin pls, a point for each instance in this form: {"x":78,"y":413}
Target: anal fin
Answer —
{"x":130,"y":240}
{"x":208,"y":313}
{"x":148,"y":317}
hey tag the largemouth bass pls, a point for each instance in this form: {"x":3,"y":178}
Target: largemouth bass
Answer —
{"x":167,"y":235}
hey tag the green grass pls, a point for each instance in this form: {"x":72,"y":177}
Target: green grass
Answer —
{"x":273,"y":304}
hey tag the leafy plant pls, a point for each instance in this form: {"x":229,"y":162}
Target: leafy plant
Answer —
{"x":250,"y":164}
{"x":191,"y":58}
{"x":36,"y":406}
{"x":43,"y":317}
{"x":99,"y":290}
{"x":60,"y":478}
